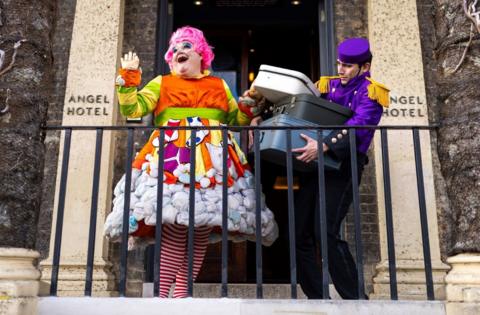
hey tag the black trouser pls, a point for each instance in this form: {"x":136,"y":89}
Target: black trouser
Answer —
{"x":342,"y":268}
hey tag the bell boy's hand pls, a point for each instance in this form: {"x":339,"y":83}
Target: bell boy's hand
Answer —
{"x":310,"y":151}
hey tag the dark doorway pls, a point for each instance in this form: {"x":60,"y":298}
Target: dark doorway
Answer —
{"x":246,"y":34}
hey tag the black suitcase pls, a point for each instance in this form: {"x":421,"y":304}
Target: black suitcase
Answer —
{"x":273,"y":143}
{"x":313,"y":109}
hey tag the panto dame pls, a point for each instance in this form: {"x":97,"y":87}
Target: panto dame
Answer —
{"x":188,"y":96}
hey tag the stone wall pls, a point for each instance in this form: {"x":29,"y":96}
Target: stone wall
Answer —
{"x":30,"y":25}
{"x":454,"y":102}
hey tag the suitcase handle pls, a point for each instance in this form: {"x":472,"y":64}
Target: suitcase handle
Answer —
{"x":280,"y":109}
{"x":262,"y":135}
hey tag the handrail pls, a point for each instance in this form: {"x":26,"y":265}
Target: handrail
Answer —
{"x":318,"y":127}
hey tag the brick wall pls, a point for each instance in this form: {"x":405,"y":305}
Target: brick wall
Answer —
{"x":61,"y":49}
{"x":139,"y":36}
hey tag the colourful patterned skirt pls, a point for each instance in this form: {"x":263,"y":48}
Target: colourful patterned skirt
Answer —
{"x":176,"y":190}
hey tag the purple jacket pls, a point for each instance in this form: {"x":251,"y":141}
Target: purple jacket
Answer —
{"x":365,"y":112}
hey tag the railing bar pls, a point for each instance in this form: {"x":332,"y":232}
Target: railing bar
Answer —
{"x":126,"y":214}
{"x":93,"y":213}
{"x":323,"y":216}
{"x":224,"y":288}
{"x":291,"y":218}
{"x":258,"y":223}
{"x":60,"y":212}
{"x":237,"y":128}
{"x":158,"y":224}
{"x":191,"y":212}
{"x":423,"y":214}
{"x":356,"y":210}
{"x":244,"y":145}
{"x":392,"y":268}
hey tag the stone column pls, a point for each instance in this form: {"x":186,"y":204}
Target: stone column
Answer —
{"x":89,"y":100}
{"x":18,"y":281}
{"x":397,"y":62}
{"x":463,"y":285}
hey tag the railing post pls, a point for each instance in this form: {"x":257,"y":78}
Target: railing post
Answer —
{"x":322,"y":208}
{"x":423,"y":214}
{"x":291,"y":218}
{"x":224,"y":288}
{"x":60,"y":213}
{"x":356,"y":212}
{"x":258,"y":223}
{"x":191,"y":212}
{"x":158,"y":226}
{"x":93,"y":213}
{"x":122,"y":287}
{"x":388,"y":216}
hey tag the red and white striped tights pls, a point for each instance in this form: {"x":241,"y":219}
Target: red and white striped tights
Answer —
{"x":174,"y":257}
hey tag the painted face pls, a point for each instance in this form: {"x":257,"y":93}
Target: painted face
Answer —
{"x":347,"y":71}
{"x":186,"y":62}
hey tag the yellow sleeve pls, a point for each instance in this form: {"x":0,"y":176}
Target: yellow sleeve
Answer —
{"x":134,"y":104}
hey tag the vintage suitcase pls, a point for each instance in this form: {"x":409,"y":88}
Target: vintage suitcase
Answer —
{"x":273,"y":143}
{"x":276,"y":83}
{"x":313,"y":109}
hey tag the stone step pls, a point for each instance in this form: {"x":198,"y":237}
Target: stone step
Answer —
{"x":194,"y":306}
{"x":241,"y":291}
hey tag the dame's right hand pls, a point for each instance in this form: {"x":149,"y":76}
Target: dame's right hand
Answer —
{"x":254,"y":122}
{"x":130,"y":61}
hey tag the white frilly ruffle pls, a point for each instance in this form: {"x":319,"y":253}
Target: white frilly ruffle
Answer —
{"x":208,"y":207}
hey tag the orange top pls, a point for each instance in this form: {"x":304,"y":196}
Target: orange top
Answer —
{"x":209,"y":92}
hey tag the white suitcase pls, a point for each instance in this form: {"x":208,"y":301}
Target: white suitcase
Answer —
{"x":276,"y":83}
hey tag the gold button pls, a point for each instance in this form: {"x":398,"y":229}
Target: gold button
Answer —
{"x":339,"y":136}
{"x":334,"y":140}
{"x":344,"y":131}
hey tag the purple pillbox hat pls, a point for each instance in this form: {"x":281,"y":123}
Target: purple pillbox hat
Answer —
{"x":354,"y":51}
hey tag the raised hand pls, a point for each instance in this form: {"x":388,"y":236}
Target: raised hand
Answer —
{"x":130,"y":61}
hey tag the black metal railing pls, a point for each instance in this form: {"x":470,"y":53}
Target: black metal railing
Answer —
{"x":224,"y":248}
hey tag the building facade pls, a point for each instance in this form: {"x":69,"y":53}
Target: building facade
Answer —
{"x":90,"y":36}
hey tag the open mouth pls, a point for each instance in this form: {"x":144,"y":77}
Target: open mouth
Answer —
{"x":182,"y":58}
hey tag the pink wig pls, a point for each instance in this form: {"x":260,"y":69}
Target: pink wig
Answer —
{"x":194,"y":36}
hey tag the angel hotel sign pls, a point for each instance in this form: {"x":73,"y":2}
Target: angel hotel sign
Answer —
{"x":87,"y":105}
{"x":405,"y":106}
